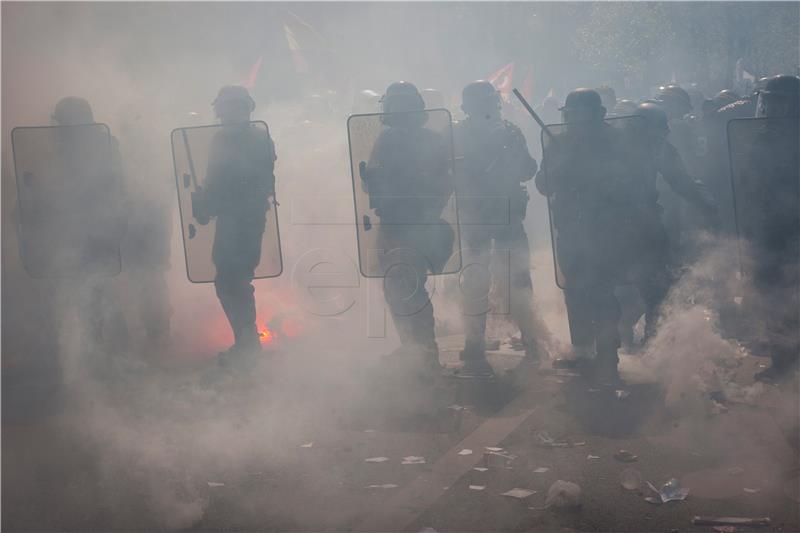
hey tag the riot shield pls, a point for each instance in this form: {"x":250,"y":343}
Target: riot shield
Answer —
{"x":69,"y":194}
{"x":229,"y":218}
{"x":404,"y":191}
{"x":594,"y":179}
{"x":765,"y":179}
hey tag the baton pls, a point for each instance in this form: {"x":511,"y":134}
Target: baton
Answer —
{"x":530,"y":110}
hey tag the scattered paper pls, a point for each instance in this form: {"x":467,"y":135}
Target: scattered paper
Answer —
{"x":545,"y":440}
{"x":413,"y":460}
{"x":518,"y":493}
{"x":307,"y":445}
{"x":590,"y":457}
{"x":751,"y":491}
{"x":383,"y":486}
{"x":465,"y":451}
{"x":456,"y":407}
{"x":492,"y":449}
{"x":215,"y":484}
{"x":626,"y":457}
{"x":621,"y":394}
{"x":376,"y":459}
{"x":477,"y":487}
{"x":481,"y":468}
{"x":541,"y":470}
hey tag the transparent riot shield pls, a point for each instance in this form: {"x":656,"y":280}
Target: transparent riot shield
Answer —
{"x":229,"y":216}
{"x":594,"y":177}
{"x":404,"y":191}
{"x":69,"y":193}
{"x":765,"y":179}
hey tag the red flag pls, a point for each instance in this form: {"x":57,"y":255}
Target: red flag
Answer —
{"x":252,"y":75}
{"x":503,"y":79}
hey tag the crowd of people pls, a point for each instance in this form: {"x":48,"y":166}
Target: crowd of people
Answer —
{"x":630,"y":188}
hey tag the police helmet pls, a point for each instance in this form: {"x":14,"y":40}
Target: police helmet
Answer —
{"x":676,"y":96}
{"x":71,"y":111}
{"x":654,"y":116}
{"x":478,"y":96}
{"x":234,"y":93}
{"x":583,"y":99}
{"x":782,"y":85}
{"x":402,"y":96}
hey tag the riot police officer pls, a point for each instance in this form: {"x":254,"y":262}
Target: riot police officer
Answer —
{"x":683,"y":135}
{"x":494,"y":164}
{"x":586,"y":172}
{"x":99,"y":219}
{"x":408,"y":181}
{"x":767,"y":204}
{"x":237,"y":190}
{"x":653,"y":268}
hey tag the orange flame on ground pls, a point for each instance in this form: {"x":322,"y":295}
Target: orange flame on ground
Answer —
{"x":266,"y":336}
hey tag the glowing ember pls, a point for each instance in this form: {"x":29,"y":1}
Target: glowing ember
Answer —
{"x":266,"y":336}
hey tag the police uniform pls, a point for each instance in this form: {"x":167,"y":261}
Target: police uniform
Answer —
{"x":238,"y":183}
{"x":492,"y":169}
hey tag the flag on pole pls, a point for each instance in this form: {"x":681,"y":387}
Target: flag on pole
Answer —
{"x":503,"y":80}
{"x":252,"y":75}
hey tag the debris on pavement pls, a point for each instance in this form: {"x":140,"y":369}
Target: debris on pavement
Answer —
{"x":376,"y":459}
{"x":497,"y":458}
{"x":465,"y":451}
{"x":621,"y":394}
{"x":493,"y":449}
{"x":481,"y":468}
{"x":413,"y":460}
{"x":545,"y":440}
{"x":590,"y":457}
{"x":751,"y":491}
{"x":519,"y":493}
{"x":626,"y":457}
{"x":307,"y":445}
{"x":630,"y":479}
{"x":669,"y":491}
{"x":563,"y":494}
{"x":736,"y":471}
{"x":477,"y":487}
{"x":456,"y":407}
{"x":729,"y":521}
{"x":541,"y":470}
{"x":214,"y":484}
{"x":383,"y":486}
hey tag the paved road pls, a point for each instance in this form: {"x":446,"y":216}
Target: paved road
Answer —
{"x":287,"y":450}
